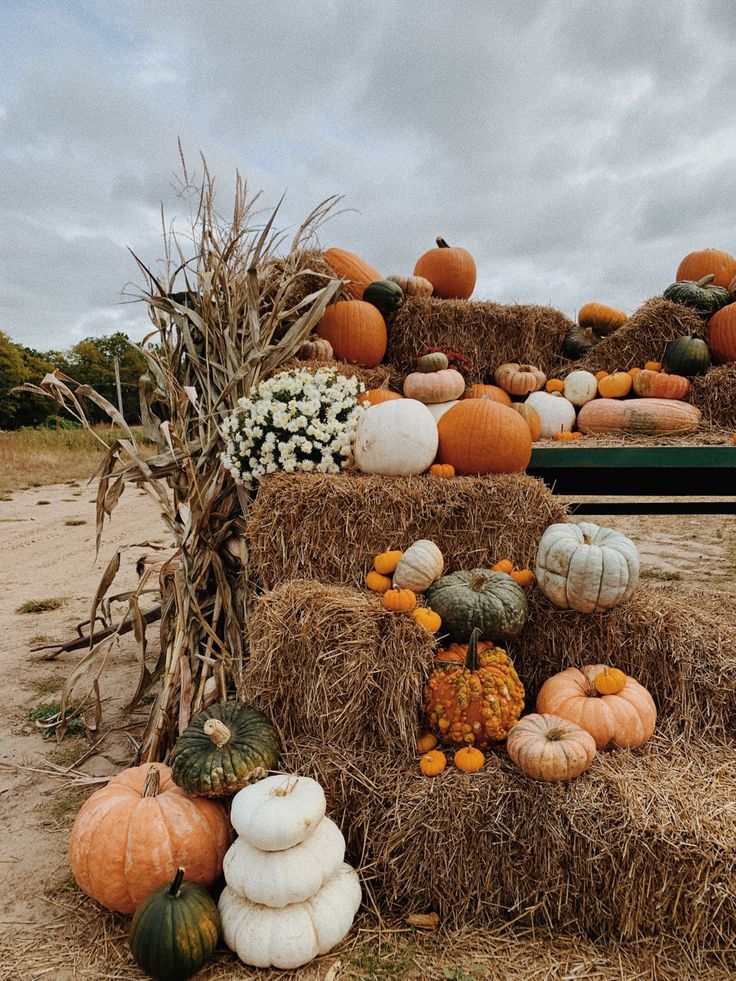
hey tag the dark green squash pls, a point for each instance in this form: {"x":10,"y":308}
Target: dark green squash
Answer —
{"x":699,"y":295}
{"x":175,"y":930}
{"x":385,"y":295}
{"x":224,"y":748}
{"x":577,"y":342}
{"x":686,"y":356}
{"x":490,"y":601}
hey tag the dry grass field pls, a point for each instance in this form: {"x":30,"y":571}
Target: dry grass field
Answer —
{"x":51,"y":931}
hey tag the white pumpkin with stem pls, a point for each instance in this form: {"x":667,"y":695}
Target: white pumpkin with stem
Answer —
{"x":290,"y":875}
{"x":278,"y":812}
{"x":580,"y":387}
{"x":396,"y":438}
{"x":292,"y":935}
{"x":420,"y":565}
{"x":585,"y":567}
{"x":555,"y":412}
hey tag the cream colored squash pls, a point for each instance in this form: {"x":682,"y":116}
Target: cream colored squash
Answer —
{"x":435,"y":386}
{"x":585,"y":567}
{"x":438,"y":409}
{"x":293,"y":935}
{"x":555,"y":412}
{"x":396,"y":438}
{"x":278,"y":812}
{"x":420,"y":565}
{"x":580,"y":387}
{"x":287,"y":876}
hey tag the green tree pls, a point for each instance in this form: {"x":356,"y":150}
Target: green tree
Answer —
{"x":12,"y":373}
{"x":92,"y":362}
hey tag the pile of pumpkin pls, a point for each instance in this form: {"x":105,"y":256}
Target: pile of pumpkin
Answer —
{"x":474,"y":698}
{"x":289,"y":895}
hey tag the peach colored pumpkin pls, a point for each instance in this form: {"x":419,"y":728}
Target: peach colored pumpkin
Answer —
{"x":530,"y":417}
{"x":647,"y":417}
{"x":349,"y":266}
{"x":660,"y":385}
{"x":626,"y":719}
{"x":519,"y":379}
{"x":132,"y":835}
{"x":356,"y":330}
{"x":546,"y":747}
{"x":479,"y":436}
{"x":434,"y":386}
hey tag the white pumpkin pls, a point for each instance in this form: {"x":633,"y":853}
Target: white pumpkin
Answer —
{"x":396,"y":438}
{"x":438,"y":409}
{"x":293,"y":935}
{"x":420,"y":565}
{"x":278,"y":812}
{"x":555,"y":413}
{"x":580,"y":387}
{"x":288,"y":876}
{"x":585,"y":567}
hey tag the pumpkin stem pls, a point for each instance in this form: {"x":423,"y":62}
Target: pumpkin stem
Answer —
{"x":217,"y":731}
{"x":706,"y":279}
{"x":554,"y":735}
{"x":285,"y":791}
{"x":174,"y":887}
{"x":442,"y":244}
{"x":477,"y":582}
{"x":153,"y":782}
{"x":471,"y":658}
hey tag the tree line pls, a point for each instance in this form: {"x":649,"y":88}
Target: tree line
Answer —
{"x":91,"y":362}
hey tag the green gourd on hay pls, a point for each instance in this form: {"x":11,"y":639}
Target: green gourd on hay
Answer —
{"x":700,"y":295}
{"x":686,"y":356}
{"x":384,"y":294}
{"x":478,"y":598}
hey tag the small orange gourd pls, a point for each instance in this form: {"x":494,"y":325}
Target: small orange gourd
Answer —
{"x":653,"y":366}
{"x":554,"y":385}
{"x":469,"y":759}
{"x":433,"y":763}
{"x":442,"y":470}
{"x":376,"y":582}
{"x":600,"y":374}
{"x":505,"y":565}
{"x":399,"y":600}
{"x":563,"y":434}
{"x":522,"y":577}
{"x":427,"y":618}
{"x":386,"y":562}
{"x":610,"y":681}
{"x":426,"y":742}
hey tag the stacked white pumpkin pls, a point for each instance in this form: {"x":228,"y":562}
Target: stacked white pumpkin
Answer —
{"x":290,"y":896}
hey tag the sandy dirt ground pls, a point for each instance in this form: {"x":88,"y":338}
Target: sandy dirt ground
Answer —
{"x":47,"y":548}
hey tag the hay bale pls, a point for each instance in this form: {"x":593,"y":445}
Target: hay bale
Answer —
{"x":643,"y":338}
{"x":329,"y":662}
{"x":382,"y":376}
{"x":488,"y":333}
{"x":329,"y":527}
{"x":714,"y":393}
{"x":642,"y":844}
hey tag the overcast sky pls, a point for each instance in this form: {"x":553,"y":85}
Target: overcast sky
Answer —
{"x":578,"y":148}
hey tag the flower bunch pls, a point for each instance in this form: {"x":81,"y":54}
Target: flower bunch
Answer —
{"x":297,"y":420}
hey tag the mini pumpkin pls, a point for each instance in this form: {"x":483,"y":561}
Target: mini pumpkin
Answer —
{"x":522,"y":577}
{"x":503,"y":565}
{"x":445,"y":470}
{"x":547,"y":747}
{"x":468,"y":759}
{"x":386,"y":562}
{"x":433,"y":763}
{"x":437,"y":361}
{"x":653,"y":366}
{"x":420,"y":565}
{"x":478,"y":598}
{"x":554,"y":385}
{"x":378,"y":583}
{"x":427,"y":618}
{"x":617,"y":385}
{"x":315,"y":349}
{"x":426,"y":742}
{"x":519,"y":379}
{"x":399,"y":600}
{"x":610,"y":681}
{"x":451,"y":271}
{"x":413,"y":285}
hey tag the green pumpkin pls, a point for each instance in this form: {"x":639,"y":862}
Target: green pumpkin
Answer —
{"x":700,"y":296}
{"x":385,"y":295}
{"x":686,"y":356}
{"x":225,"y":747}
{"x":578,"y":341}
{"x":490,"y":601}
{"x":175,"y":930}
{"x":436,"y":361}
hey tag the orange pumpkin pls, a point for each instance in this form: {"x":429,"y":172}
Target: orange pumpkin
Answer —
{"x":522,"y":577}
{"x":610,"y":681}
{"x":503,"y":565}
{"x":378,"y":583}
{"x":554,"y":385}
{"x":427,"y":618}
{"x":492,"y":392}
{"x":349,"y":266}
{"x":399,"y":600}
{"x":356,"y":330}
{"x":653,"y":366}
{"x":426,"y":742}
{"x":479,"y":436}
{"x":566,"y":434}
{"x":626,"y":718}
{"x":659,"y":385}
{"x":600,"y":374}
{"x":600,"y":318}
{"x":451,"y":271}
{"x":615,"y":386}
{"x":647,"y":417}
{"x":531,"y":417}
{"x":374,"y":396}
{"x":696,"y":265}
{"x":131,"y":836}
{"x":445,"y":470}
{"x":468,"y":759}
{"x":433,"y":763}
{"x":519,"y":379}
{"x":386,"y":562}
{"x":722,"y":334}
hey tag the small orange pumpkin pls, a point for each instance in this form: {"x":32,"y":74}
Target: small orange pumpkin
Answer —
{"x":522,"y":577}
{"x":610,"y":681}
{"x":600,"y":374}
{"x":634,"y":371}
{"x":399,"y":600}
{"x":427,"y":618}
{"x":653,"y":366}
{"x":426,"y":742}
{"x":615,"y":386}
{"x":554,"y":385}
{"x":565,"y":434}
{"x":469,"y":759}
{"x":442,"y":470}
{"x":504,"y":565}
{"x":376,"y":582}
{"x":386,"y":562}
{"x":433,"y":763}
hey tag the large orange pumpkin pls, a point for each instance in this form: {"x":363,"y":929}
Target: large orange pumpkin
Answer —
{"x":348,"y":265}
{"x":722,"y":334}
{"x":482,"y":436}
{"x":132,"y":835}
{"x":696,"y":265}
{"x":451,"y":271}
{"x":356,"y":330}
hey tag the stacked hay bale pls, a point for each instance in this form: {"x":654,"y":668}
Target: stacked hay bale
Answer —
{"x":643,"y":843}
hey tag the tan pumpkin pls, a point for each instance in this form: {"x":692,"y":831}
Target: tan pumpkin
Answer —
{"x":451,"y":271}
{"x":519,"y":379}
{"x":131,"y":836}
{"x":356,"y":331}
{"x":626,"y":718}
{"x":435,"y":386}
{"x":479,"y":436}
{"x":420,"y":565}
{"x":722,"y":334}
{"x":413,"y":285}
{"x":315,"y":349}
{"x":617,"y":385}
{"x":492,"y":392}
{"x":374,"y":396}
{"x":349,"y":266}
{"x":659,"y":385}
{"x":708,"y":262}
{"x":601,"y":318}
{"x":547,"y":747}
{"x":647,"y":417}
{"x":530,"y":417}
